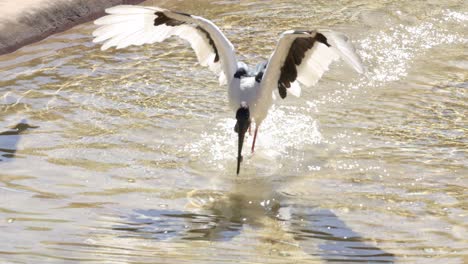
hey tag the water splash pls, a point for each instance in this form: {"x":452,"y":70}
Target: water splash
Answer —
{"x":285,"y":127}
{"x":388,"y":54}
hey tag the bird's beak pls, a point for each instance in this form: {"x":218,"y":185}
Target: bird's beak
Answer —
{"x":242,"y":125}
{"x":241,"y":132}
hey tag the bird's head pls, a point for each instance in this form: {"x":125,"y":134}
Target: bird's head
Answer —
{"x":242,"y":125}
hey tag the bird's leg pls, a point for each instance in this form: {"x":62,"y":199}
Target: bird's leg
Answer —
{"x":255,"y":137}
{"x":250,"y":130}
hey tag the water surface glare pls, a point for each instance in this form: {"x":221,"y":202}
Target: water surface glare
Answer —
{"x":129,"y":156}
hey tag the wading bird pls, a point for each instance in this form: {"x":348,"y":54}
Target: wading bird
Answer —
{"x":300,"y":57}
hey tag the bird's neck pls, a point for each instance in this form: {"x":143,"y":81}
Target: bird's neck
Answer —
{"x":234,"y":93}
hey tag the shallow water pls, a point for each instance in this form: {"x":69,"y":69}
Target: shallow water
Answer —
{"x":129,"y":156}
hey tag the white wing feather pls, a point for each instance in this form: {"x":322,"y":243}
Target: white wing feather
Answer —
{"x":314,"y":64}
{"x":343,"y":47}
{"x":132,"y":9}
{"x":135,"y":25}
{"x":315,"y":61}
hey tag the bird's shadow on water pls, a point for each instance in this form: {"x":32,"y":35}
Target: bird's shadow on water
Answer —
{"x":223,"y":216}
{"x":335,"y":241}
{"x":10,"y":138}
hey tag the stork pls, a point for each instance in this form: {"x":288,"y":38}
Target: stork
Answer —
{"x":300,"y":57}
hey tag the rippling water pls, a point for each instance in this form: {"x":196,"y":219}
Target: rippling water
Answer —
{"x":129,"y":156}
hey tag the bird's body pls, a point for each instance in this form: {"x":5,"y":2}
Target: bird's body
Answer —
{"x":300,"y":57}
{"x":246,"y":92}
{"x":246,"y":88}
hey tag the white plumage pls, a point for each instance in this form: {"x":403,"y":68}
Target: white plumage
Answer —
{"x":300,"y":57}
{"x":135,"y":25}
{"x":317,"y":60}
{"x":342,"y":46}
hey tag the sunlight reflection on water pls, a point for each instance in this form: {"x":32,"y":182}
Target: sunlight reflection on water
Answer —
{"x":132,"y":154}
{"x":296,"y":130}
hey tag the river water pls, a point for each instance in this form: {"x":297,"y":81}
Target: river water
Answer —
{"x":129,"y":156}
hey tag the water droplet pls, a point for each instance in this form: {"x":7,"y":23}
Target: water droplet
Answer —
{"x":429,"y":250}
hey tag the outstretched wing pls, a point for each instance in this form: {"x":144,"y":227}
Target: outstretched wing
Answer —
{"x":302,"y":57}
{"x":137,"y":25}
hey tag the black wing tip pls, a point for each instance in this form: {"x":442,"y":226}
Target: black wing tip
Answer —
{"x":211,"y":42}
{"x":182,"y":14}
{"x":322,"y":39}
{"x":316,"y":35}
{"x":296,"y":54}
{"x":162,"y":18}
{"x":282,"y":91}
